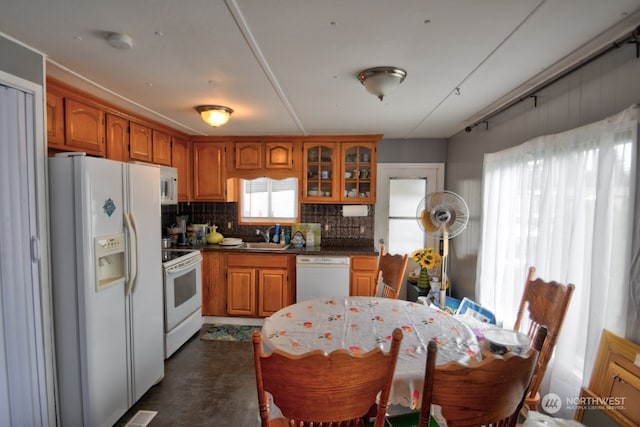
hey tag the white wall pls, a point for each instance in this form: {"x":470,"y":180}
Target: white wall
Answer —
{"x":599,"y":89}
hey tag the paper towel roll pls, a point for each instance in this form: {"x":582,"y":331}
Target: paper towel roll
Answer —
{"x":355,"y":210}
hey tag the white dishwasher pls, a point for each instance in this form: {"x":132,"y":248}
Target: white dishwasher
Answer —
{"x":320,"y":276}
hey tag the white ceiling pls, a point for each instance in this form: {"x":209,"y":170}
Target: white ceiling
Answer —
{"x":290,"y":66}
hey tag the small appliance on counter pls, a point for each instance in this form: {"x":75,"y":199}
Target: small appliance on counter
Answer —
{"x":200,"y":232}
{"x":181,"y":220}
{"x":166,"y":242}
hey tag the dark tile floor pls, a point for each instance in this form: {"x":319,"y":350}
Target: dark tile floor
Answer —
{"x":206,"y":383}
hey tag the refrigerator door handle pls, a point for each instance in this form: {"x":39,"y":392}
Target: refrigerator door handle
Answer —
{"x":133,"y":254}
{"x":136,"y":229}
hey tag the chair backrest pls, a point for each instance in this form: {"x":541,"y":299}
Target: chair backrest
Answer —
{"x":390,"y":275}
{"x":545,"y":304}
{"x":315,"y":388}
{"x":490,"y":392}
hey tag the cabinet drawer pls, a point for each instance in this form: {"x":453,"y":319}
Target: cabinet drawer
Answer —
{"x":366,"y":263}
{"x":258,"y":260}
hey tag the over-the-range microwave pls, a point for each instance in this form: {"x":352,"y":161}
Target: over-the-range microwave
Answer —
{"x":168,"y":183}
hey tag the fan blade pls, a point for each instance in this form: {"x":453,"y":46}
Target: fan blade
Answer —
{"x":441,"y":210}
{"x":427,"y":224}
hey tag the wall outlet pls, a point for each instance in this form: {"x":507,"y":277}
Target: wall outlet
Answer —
{"x":362,"y":229}
{"x":326,"y":227}
{"x":229,"y":225}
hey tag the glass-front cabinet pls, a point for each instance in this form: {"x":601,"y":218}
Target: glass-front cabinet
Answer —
{"x":359,"y":163}
{"x":321,"y":172}
{"x":340,"y":169}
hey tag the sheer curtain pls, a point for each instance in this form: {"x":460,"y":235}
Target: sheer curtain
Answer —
{"x":564,"y":204}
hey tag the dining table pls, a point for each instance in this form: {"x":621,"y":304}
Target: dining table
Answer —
{"x":360,"y":324}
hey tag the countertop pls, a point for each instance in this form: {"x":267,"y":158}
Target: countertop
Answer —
{"x":330,"y":249}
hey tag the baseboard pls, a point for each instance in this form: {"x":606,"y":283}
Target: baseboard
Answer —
{"x":233,"y":320}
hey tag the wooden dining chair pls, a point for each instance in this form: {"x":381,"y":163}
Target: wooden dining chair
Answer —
{"x":315,"y":388}
{"x":487,"y":393}
{"x":544,"y":304}
{"x":390,"y":274}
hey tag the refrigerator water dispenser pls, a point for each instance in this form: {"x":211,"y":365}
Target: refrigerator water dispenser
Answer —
{"x":110,"y":263}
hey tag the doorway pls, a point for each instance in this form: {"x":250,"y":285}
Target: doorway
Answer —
{"x":26,"y":372}
{"x":400,"y":188}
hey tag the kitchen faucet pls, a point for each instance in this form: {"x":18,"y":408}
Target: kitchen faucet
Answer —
{"x":264,"y":234}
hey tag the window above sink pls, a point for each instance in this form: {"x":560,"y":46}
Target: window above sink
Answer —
{"x":268,"y":200}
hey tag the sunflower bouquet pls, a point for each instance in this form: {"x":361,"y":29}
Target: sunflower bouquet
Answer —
{"x":429,"y":260}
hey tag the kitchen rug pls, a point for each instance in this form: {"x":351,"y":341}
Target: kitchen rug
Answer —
{"x":224,"y":332}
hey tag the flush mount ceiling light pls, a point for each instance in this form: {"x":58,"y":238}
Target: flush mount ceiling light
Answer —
{"x":381,"y":81}
{"x":215,"y":115}
{"x":120,"y":41}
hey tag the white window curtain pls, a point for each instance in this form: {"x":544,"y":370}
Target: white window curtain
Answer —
{"x":564,"y":204}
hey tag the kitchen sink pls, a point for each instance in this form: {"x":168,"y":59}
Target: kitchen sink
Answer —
{"x":267,"y":246}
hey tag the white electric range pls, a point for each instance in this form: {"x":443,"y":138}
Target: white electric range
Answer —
{"x":182,"y":281}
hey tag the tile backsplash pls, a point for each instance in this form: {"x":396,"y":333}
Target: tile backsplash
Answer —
{"x":225,"y":215}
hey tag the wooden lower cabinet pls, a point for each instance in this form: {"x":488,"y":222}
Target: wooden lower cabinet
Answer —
{"x":241,"y":291}
{"x":258,"y":284}
{"x":363,"y":275}
{"x":272,"y":291}
{"x":214,"y":289}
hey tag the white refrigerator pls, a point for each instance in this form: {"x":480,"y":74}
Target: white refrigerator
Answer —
{"x":107,"y":286}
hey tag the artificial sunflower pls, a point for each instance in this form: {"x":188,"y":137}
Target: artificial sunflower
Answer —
{"x":428,"y":258}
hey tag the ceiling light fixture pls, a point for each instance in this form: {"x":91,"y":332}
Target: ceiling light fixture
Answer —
{"x":120,"y":41}
{"x":381,"y":81}
{"x":215,"y":115}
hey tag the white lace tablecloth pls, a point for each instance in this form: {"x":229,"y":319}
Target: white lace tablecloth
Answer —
{"x":361,"y":324}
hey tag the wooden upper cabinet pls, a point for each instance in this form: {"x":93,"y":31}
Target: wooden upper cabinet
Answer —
{"x":278,"y":155}
{"x":55,"y":119}
{"x":358,"y":183}
{"x":264,"y":156}
{"x":248,"y":155}
{"x":321,"y":172}
{"x":161,"y":149}
{"x":209,"y":172}
{"x":181,"y":160}
{"x":339,"y":169}
{"x":117,"y":138}
{"x":141,"y":144}
{"x":84,"y":127}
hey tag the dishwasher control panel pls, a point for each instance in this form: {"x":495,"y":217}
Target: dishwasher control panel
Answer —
{"x":319,"y":259}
